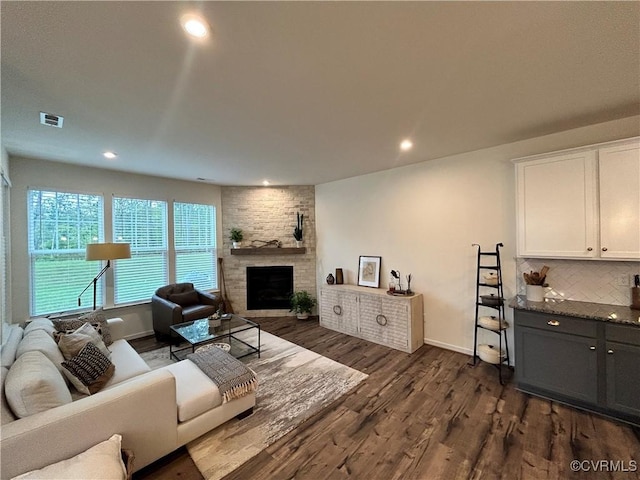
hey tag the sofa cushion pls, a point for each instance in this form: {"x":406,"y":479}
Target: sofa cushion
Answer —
{"x":34,"y":385}
{"x":13,"y":334}
{"x":90,"y":370}
{"x":39,"y":340}
{"x":128,"y":363}
{"x":96,"y":318}
{"x":103,"y":460}
{"x":195,"y":391}
{"x":70,"y":344}
{"x":185,"y":299}
{"x":7,"y":415}
{"x":6,"y":330}
{"x":40,"y":324}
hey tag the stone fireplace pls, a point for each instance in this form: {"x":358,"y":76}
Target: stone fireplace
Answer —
{"x":265,"y":214}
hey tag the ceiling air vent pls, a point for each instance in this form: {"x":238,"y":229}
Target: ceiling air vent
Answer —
{"x":51,"y":120}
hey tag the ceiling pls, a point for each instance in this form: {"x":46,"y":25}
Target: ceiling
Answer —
{"x":303,"y":93}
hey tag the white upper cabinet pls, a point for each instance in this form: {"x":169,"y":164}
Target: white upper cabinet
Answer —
{"x":582,"y":203}
{"x":619,"y":182}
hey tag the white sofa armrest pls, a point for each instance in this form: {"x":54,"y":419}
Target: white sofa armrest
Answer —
{"x":116,"y":327}
{"x":142,"y":410}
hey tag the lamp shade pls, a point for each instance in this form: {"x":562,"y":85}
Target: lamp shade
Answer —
{"x":108,"y":251}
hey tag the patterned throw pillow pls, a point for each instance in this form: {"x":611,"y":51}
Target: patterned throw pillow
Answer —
{"x":70,"y":344}
{"x":97,"y":320}
{"x":91,"y":368}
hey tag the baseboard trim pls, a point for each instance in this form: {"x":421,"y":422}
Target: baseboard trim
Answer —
{"x":448,"y":346}
{"x":139,"y":335}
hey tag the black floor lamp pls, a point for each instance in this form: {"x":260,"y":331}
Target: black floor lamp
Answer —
{"x":108,"y":252}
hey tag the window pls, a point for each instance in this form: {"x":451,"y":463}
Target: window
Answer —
{"x":60,"y":226}
{"x":195,"y":244}
{"x":143,"y":224}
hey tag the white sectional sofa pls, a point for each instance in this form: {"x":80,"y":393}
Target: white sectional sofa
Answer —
{"x":154,"y":411}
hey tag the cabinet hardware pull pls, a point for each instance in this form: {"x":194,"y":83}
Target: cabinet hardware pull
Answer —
{"x":381,"y":319}
{"x":337,"y":309}
{"x":604,"y":249}
{"x":589,"y":249}
{"x":553,"y":323}
{"x":592,"y":347}
{"x":610,"y":352}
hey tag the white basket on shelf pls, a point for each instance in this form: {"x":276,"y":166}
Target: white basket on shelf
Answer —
{"x":489,"y":354}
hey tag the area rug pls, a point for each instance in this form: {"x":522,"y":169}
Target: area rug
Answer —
{"x":294,"y":384}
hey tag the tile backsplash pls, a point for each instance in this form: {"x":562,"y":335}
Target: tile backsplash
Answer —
{"x":582,"y":280}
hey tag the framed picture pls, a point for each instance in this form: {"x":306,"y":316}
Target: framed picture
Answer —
{"x":369,"y":271}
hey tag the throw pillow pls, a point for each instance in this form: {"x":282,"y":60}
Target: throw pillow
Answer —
{"x":34,"y":384}
{"x":100,"y":461}
{"x":185,"y":299}
{"x":41,"y":341}
{"x":40,"y":324}
{"x":90,"y":369}
{"x":70,"y":344}
{"x":97,"y":320}
{"x":7,"y":415}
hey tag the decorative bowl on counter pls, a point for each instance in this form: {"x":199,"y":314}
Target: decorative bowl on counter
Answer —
{"x":491,"y":300}
{"x":490,"y":353}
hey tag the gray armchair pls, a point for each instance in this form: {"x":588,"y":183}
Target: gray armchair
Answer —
{"x":180,"y":302}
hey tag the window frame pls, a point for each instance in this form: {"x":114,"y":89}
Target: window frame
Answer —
{"x":163,"y":250}
{"x":210,"y":250}
{"x":88,"y":270}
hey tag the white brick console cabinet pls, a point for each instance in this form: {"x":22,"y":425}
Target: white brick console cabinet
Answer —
{"x":373,"y":315}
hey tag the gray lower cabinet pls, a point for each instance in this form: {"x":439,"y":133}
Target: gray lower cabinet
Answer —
{"x":590,"y":364}
{"x":623,"y":369}
{"x":557,"y":362}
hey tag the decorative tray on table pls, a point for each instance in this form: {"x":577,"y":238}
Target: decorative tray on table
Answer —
{"x":400,"y":293}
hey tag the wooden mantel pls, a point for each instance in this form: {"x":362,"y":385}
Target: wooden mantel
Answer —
{"x":269,"y":251}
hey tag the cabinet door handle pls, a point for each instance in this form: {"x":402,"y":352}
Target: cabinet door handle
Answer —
{"x":604,"y":249}
{"x":592,"y":347}
{"x":589,"y":249}
{"x":553,"y":323}
{"x":381,"y":319}
{"x":610,"y":352}
{"x":337,"y":309}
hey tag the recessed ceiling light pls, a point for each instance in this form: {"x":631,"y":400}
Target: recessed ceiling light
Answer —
{"x":265,"y":183}
{"x":406,"y":145}
{"x":195,"y":26}
{"x":110,"y":155}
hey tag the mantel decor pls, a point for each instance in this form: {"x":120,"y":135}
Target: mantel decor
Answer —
{"x":269,"y":251}
{"x":369,"y":271}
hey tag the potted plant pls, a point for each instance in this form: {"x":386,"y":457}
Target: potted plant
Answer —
{"x":302,"y":303}
{"x":236,"y":237}
{"x":297,"y":231}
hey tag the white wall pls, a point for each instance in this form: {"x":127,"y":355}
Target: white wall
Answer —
{"x":422,"y":219}
{"x":27,"y":173}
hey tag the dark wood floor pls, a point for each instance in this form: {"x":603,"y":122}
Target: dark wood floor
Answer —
{"x":429,"y":415}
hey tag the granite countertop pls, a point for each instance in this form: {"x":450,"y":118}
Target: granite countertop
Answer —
{"x":595,"y":311}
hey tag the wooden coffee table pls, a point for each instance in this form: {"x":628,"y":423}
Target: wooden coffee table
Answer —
{"x":241,"y":334}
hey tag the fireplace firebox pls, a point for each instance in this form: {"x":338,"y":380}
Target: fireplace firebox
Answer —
{"x":269,"y":288}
